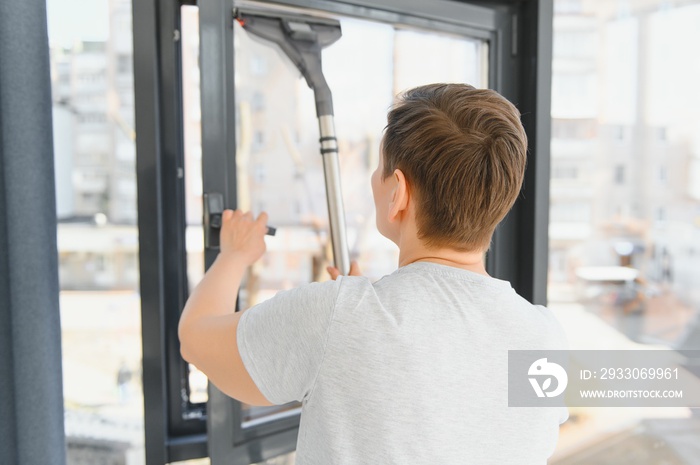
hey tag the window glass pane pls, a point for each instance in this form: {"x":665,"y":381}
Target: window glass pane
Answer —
{"x":280,"y":170}
{"x":93,"y":117}
{"x":624,"y":195}
{"x":278,"y":161}
{"x":192,"y":128}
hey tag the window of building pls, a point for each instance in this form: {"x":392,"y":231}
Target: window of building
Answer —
{"x":619,"y":174}
{"x":662,"y":174}
{"x":619,"y":133}
{"x":565,"y":172}
{"x":258,"y":65}
{"x":258,"y":101}
{"x":124,"y":64}
{"x":661,"y":214}
{"x":661,"y":135}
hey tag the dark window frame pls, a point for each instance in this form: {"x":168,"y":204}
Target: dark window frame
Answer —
{"x":520,"y":41}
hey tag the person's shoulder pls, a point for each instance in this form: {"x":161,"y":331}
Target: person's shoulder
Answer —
{"x":542,"y":320}
{"x":353,"y":283}
{"x":552,"y":327}
{"x":340,"y":285}
{"x":352,"y":290}
{"x":316,"y":291}
{"x":317,"y":286}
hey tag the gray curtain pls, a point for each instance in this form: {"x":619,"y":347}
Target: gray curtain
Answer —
{"x":31,"y":392}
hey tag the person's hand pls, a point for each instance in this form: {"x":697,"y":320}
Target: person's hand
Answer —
{"x":354,"y":270}
{"x":242,"y":236}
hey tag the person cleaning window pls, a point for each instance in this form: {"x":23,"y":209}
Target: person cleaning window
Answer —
{"x":412,"y":368}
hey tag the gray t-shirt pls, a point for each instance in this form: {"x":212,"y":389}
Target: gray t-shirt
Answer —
{"x":411,"y":369}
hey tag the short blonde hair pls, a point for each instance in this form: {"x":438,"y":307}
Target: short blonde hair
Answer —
{"x":463,"y":151}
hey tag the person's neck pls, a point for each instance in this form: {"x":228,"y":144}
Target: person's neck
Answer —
{"x":412,"y":249}
{"x":472,"y":261}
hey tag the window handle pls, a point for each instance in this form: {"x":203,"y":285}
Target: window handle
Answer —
{"x":213,"y":209}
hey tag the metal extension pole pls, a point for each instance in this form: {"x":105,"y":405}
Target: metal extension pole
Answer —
{"x":334,"y":193}
{"x":302,"y":38}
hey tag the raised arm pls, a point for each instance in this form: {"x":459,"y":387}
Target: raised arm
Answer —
{"x":208,"y":324}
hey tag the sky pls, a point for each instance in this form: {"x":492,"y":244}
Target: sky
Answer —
{"x":71,"y":20}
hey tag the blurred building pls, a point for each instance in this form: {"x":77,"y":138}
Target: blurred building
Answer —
{"x":93,"y":110}
{"x":620,"y":178}
{"x":92,"y":85}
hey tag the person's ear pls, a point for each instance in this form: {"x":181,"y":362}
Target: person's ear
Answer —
{"x":399,"y":200}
